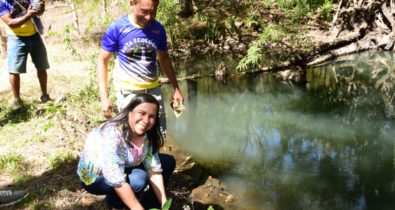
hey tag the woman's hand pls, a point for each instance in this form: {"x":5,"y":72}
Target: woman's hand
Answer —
{"x":128,"y":197}
{"x":156,"y":181}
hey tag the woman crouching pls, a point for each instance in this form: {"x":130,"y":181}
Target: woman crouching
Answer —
{"x":122,"y":155}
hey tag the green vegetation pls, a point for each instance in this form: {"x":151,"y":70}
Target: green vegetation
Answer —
{"x":166,"y":206}
{"x":285,"y":25}
{"x":67,"y":40}
{"x":11,"y":161}
{"x":166,"y":16}
{"x":325,"y":10}
{"x":255,"y":54}
{"x":59,"y":160}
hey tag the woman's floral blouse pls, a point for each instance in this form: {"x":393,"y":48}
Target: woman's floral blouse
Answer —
{"x":106,"y":154}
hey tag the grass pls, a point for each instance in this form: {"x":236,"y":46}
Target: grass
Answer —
{"x":57,"y":160}
{"x":40,"y":143}
{"x":13,"y":162}
{"x":42,"y":152}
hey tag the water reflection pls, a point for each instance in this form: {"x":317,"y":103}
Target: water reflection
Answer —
{"x":329,"y":145}
{"x":372,"y":73}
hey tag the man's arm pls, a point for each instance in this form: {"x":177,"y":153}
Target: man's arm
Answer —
{"x":102,"y":78}
{"x":16,"y":22}
{"x":156,"y":181}
{"x":168,"y":70}
{"x":127,"y":195}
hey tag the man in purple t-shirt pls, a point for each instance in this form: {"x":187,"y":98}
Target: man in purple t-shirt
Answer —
{"x":136,"y":39}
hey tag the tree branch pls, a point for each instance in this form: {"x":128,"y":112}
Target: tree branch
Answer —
{"x":333,"y":32}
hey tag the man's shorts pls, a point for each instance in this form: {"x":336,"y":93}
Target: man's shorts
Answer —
{"x":125,"y":96}
{"x":18,"y":48}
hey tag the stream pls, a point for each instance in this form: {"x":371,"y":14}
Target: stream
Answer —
{"x":326,"y":144}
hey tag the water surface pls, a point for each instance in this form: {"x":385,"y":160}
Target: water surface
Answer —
{"x":327,"y":144}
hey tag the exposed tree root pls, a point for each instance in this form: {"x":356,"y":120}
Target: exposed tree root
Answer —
{"x":358,"y":25}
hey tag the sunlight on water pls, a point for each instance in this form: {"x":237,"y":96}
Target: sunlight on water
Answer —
{"x":285,"y":147}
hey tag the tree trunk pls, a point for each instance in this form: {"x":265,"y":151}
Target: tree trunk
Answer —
{"x":75,"y":17}
{"x":3,"y":42}
{"x":105,"y":7}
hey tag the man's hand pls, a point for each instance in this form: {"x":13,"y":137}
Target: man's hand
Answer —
{"x":40,"y":10}
{"x":38,"y":5}
{"x":177,"y":96}
{"x":31,"y":12}
{"x":101,"y":74}
{"x":106,"y":107}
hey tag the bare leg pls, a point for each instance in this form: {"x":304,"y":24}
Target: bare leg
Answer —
{"x":15,"y":85}
{"x":42,"y":78}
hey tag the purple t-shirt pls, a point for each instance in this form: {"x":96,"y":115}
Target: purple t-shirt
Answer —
{"x":136,"y":50}
{"x":15,"y":7}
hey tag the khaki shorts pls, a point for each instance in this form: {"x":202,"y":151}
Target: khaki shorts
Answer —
{"x":125,"y":96}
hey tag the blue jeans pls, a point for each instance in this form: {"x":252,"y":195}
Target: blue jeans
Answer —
{"x":19,"y":47}
{"x":137,"y":178}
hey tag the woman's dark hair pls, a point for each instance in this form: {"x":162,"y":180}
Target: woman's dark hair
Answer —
{"x":154,"y":135}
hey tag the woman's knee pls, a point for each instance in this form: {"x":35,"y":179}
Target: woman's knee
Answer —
{"x":99,"y":187}
{"x":138,"y":180}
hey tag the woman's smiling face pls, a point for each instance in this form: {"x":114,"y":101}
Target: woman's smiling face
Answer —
{"x":142,"y":118}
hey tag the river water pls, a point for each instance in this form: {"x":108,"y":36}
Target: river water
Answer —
{"x":327,"y":144}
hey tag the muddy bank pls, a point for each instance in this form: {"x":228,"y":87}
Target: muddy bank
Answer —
{"x":192,"y":186}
